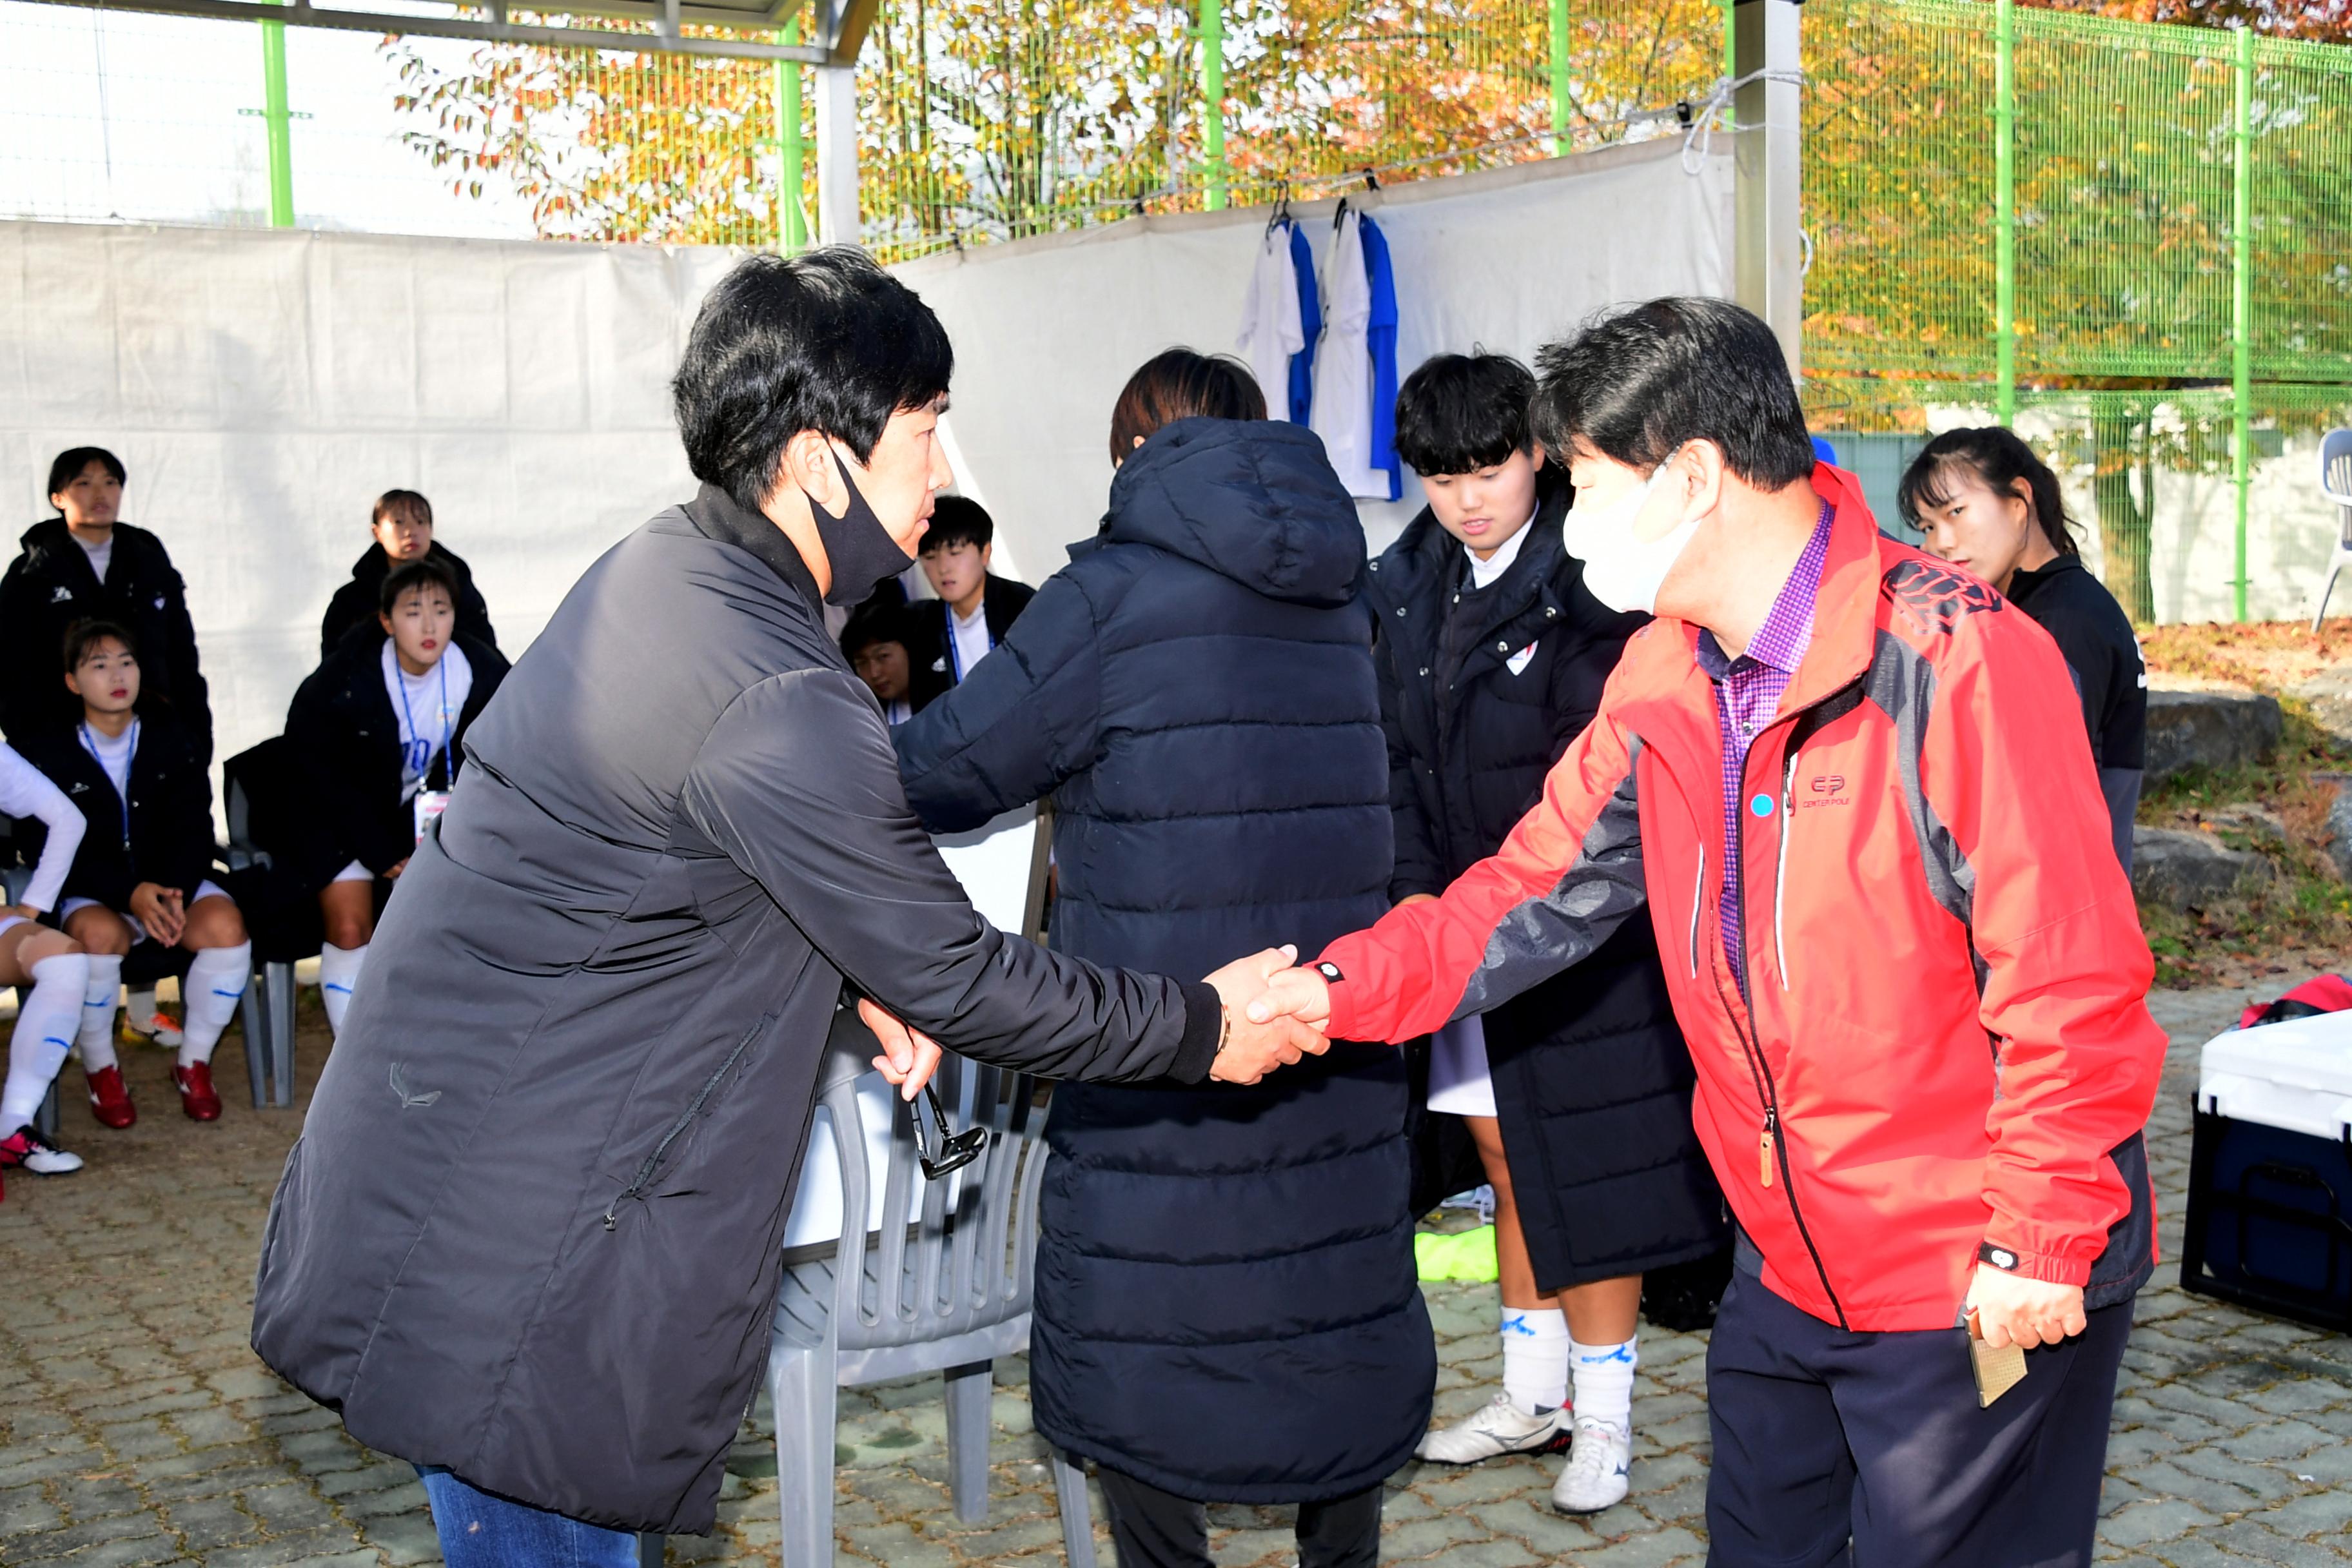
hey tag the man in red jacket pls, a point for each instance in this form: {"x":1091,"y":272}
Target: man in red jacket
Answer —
{"x":1853,"y":788}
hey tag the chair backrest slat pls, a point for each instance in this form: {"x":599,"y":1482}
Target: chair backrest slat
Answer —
{"x":953,"y":1256}
{"x":949,"y":1255}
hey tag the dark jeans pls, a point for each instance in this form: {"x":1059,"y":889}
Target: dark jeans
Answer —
{"x":479,"y":1530}
{"x":1153,"y":1529}
{"x":1823,"y":1437}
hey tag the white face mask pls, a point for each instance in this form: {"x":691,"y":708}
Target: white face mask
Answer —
{"x":1621,"y":569}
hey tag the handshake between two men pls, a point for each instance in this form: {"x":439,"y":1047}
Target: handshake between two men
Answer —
{"x":1274,"y":1014}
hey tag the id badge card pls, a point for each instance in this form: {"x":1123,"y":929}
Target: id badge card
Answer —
{"x":430,"y":805}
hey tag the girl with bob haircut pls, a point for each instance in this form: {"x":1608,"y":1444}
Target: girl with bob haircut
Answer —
{"x":379,"y":732}
{"x":401,"y":529}
{"x":1986,"y":504}
{"x":144,"y":873}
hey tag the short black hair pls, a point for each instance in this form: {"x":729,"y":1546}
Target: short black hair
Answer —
{"x":1635,"y":384}
{"x":825,"y":341}
{"x":959,"y":520}
{"x":871,"y":622}
{"x":417,"y":573}
{"x":69,"y":463}
{"x":83,"y":636}
{"x":1461,"y":413}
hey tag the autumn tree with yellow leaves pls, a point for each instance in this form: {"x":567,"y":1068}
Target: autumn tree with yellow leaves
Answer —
{"x":990,"y":119}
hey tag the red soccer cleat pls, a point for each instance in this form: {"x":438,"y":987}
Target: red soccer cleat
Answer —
{"x":196,"y":1096}
{"x":109,"y":1101}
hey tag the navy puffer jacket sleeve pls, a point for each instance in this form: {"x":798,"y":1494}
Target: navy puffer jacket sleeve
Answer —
{"x":1027,"y":717}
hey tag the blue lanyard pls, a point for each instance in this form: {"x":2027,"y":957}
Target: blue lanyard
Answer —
{"x":418,"y":751}
{"x":122,"y":794}
{"x":955,"y":652}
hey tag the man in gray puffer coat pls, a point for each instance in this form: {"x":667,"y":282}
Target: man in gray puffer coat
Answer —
{"x":530,"y":1236}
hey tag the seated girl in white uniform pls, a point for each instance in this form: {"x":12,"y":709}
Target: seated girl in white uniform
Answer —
{"x":144,"y":870}
{"x":48,"y":968}
{"x":378,"y":731}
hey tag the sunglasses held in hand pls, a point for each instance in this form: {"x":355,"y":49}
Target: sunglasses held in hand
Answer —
{"x":955,"y":1150}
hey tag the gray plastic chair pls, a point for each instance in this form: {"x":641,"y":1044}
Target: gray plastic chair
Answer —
{"x":940,"y":1283}
{"x":269,"y":1005}
{"x":2336,"y":484}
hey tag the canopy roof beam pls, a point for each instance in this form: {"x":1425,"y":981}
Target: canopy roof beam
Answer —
{"x":829,"y":36}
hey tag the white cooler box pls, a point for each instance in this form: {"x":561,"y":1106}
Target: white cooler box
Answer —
{"x":2270,"y":1181}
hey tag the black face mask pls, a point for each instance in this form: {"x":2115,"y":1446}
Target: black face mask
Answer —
{"x":861,"y":550}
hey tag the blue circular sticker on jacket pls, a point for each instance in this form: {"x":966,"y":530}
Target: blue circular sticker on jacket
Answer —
{"x":1761,"y":805}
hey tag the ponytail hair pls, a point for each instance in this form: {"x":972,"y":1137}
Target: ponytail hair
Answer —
{"x":1998,"y":458}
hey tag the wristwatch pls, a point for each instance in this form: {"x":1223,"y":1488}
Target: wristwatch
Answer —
{"x":1329,"y":972}
{"x":2000,"y":1257}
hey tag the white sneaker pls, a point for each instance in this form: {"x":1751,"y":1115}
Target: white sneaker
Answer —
{"x":26,"y":1149}
{"x":1497,"y":1428}
{"x":1597,"y":1470}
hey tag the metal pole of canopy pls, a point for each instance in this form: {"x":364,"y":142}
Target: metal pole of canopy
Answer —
{"x":792,"y":223}
{"x":277,"y":124}
{"x":1768,"y":273}
{"x":1559,"y":56}
{"x":2005,"y":158}
{"x":836,"y":154}
{"x":2242,"y":310}
{"x":1213,"y":99}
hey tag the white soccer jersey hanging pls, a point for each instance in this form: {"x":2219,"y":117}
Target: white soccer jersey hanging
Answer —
{"x":1342,"y":414}
{"x":1273,"y":327}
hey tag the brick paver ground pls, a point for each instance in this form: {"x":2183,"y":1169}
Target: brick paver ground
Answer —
{"x":136,"y":1426}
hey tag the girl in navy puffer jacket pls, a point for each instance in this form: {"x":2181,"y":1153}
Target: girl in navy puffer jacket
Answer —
{"x":1225,"y":1305}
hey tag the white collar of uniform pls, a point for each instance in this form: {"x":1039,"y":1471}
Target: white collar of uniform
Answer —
{"x":453,"y":666}
{"x":1482,"y":573}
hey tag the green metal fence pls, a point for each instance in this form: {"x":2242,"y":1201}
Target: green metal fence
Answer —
{"x":2162,"y":232}
{"x":2131,"y":144}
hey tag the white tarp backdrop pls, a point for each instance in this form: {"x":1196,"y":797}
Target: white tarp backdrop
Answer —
{"x":264,"y":387}
{"x":1046,"y":331}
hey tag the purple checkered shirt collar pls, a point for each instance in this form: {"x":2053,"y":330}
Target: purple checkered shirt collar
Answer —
{"x":1748,"y":693}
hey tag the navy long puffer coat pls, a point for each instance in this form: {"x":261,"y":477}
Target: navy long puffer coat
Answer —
{"x":1226,"y":1306}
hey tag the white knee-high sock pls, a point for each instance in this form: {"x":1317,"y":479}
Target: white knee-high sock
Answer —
{"x":1605,"y":1382}
{"x":95,"y":1037}
{"x":216,"y":985}
{"x":1535,"y":1358}
{"x":339,"y":971}
{"x":46,"y":1013}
